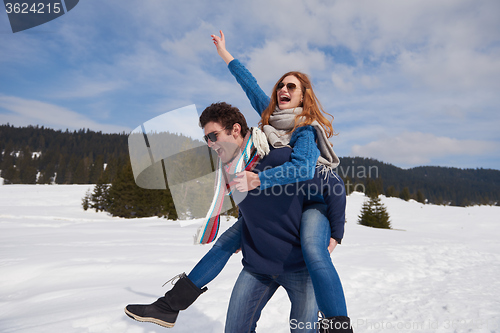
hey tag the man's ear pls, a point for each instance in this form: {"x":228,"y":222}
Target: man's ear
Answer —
{"x":236,"y":130}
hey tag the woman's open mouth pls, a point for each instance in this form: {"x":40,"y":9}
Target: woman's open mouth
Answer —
{"x":284,"y":99}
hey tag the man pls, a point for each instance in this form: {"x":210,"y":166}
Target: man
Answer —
{"x":267,"y":232}
{"x":270,"y":242}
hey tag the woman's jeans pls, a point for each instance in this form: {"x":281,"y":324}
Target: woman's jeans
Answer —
{"x":315,"y":236}
{"x":252,"y":291}
{"x":214,"y":261}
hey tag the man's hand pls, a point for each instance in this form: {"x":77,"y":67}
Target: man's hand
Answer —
{"x":333,"y":245}
{"x":246,"y":181}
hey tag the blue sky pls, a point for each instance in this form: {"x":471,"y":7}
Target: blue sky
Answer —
{"x":409,"y":82}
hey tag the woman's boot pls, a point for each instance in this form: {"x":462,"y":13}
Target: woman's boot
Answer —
{"x":165,"y":310}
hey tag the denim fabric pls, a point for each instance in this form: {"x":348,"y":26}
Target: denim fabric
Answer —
{"x":214,"y":261}
{"x":252,"y":291}
{"x":314,"y":239}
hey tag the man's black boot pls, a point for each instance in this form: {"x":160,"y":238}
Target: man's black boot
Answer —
{"x":165,"y":310}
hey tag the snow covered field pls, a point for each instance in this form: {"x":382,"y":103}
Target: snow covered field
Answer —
{"x":66,"y":270}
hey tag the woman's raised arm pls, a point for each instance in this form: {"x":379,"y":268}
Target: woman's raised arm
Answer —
{"x":255,"y":94}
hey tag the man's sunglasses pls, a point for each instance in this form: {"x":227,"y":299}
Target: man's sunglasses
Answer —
{"x":289,"y":86}
{"x":212,"y":136}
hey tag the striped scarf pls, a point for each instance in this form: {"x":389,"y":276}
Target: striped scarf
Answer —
{"x":254,"y":147}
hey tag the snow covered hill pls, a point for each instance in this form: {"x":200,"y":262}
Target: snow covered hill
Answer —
{"x":66,"y":270}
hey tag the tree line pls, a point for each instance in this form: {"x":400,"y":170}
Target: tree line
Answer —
{"x":38,"y":155}
{"x":426,"y":184}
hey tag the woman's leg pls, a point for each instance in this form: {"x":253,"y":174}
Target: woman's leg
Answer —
{"x":314,"y":237}
{"x":214,"y":261}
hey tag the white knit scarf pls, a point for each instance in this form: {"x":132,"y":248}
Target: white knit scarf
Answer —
{"x":281,"y":122}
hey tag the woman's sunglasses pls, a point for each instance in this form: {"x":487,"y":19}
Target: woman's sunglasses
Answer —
{"x":212,"y":136}
{"x":289,"y":86}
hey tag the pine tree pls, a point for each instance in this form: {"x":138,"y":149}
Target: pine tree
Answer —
{"x":420,"y":197}
{"x":10,"y":175}
{"x":371,"y":189}
{"x":9,"y":172}
{"x":27,"y":170}
{"x":86,"y":200}
{"x":99,"y":198}
{"x":125,"y":199}
{"x":47,"y":175}
{"x":405,"y":194}
{"x":391,"y":192}
{"x":61,"y":169}
{"x":349,"y":186}
{"x":121,"y":194}
{"x":374,"y":214}
{"x":96,"y":170}
{"x":80,"y":174}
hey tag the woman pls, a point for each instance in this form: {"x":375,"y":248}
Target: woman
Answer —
{"x":292,"y":91}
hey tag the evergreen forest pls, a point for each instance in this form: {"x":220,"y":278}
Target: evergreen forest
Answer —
{"x":38,"y":155}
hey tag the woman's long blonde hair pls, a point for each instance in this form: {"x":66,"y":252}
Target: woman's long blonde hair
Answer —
{"x":311,"y":107}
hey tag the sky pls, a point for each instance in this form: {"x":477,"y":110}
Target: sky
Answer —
{"x":411,"y":83}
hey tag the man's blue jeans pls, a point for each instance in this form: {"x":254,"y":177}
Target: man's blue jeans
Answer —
{"x":252,"y":291}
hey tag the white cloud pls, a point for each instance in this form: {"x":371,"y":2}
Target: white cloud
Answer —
{"x":30,"y":112}
{"x":416,"y":148}
{"x":343,"y":79}
{"x":346,"y":79}
{"x":87,"y":87}
{"x":193,"y":45}
{"x":445,"y":45}
{"x":452,"y":69}
{"x":276,"y":58}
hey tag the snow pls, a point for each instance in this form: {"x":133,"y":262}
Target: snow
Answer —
{"x":67,"y":270}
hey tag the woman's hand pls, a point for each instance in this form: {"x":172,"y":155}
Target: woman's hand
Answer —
{"x":220,"y":44}
{"x":333,"y":245}
{"x":246,"y":181}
